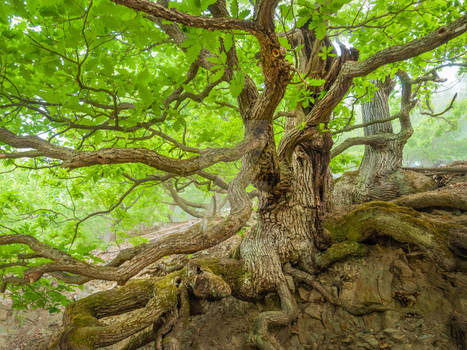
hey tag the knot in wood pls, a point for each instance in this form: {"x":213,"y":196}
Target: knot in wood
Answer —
{"x":275,"y":52}
{"x":206,"y":285}
{"x":442,"y":31}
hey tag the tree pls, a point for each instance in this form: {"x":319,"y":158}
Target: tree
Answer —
{"x":380,"y":176}
{"x":125,"y":89}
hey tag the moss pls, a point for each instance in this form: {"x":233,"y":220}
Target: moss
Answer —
{"x":369,"y":217}
{"x":339,"y":251}
{"x":166,"y":289}
{"x":403,"y":224}
{"x":230,"y":270}
{"x":79,"y":338}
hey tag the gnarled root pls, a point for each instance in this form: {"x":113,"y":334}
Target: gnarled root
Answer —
{"x":378,"y":219}
{"x":83,"y":330}
{"x":162,"y":303}
{"x":453,"y":197}
{"x":261,"y":337}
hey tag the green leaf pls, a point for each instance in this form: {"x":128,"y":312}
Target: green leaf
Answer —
{"x":206,"y":3}
{"x":237,"y":83}
{"x":320,"y":30}
{"x":316,"y":82}
{"x":228,"y":42}
{"x":234,"y":8}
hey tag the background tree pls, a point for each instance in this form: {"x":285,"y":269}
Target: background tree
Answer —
{"x":145,"y":93}
{"x":380,"y":176}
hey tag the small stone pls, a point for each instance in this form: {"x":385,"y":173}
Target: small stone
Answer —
{"x":426,"y":338}
{"x":313,"y":311}
{"x":400,"y":338}
{"x":303,"y":293}
{"x":370,"y":339}
{"x":315,"y":296}
{"x":390,"y":331}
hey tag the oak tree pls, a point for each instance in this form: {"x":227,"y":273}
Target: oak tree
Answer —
{"x":232,"y":97}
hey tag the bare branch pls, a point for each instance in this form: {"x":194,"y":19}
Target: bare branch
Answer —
{"x":187,"y":206}
{"x":137,"y":182}
{"x":358,"y":126}
{"x":378,"y":139}
{"x":451,"y":104}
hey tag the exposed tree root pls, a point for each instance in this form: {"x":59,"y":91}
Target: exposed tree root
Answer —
{"x":433,"y":231}
{"x":166,"y":337}
{"x":405,"y":225}
{"x":304,"y":277}
{"x":261,"y":337}
{"x":83,"y":329}
{"x":162,"y":302}
{"x":453,"y":197}
{"x":143,"y":338}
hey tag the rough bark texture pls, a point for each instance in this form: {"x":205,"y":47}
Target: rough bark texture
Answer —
{"x":393,"y":278}
{"x":293,"y":185}
{"x":380,"y":176}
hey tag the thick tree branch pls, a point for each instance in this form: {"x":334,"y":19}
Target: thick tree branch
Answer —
{"x":264,"y":13}
{"x":374,"y":140}
{"x":443,"y":170}
{"x":75,"y":159}
{"x":402,"y":52}
{"x":201,"y":235}
{"x":321,"y":112}
{"x":158,"y":10}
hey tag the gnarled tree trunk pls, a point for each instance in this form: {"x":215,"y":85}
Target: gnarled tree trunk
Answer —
{"x":380,"y":176}
{"x":293,"y":183}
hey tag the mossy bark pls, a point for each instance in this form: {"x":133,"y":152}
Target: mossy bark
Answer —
{"x":405,"y":225}
{"x":155,"y":299}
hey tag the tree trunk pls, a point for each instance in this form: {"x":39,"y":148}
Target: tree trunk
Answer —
{"x":289,"y":228}
{"x":380,"y":161}
{"x":380,"y":176}
{"x":290,"y":214}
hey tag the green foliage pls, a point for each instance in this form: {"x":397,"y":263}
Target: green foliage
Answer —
{"x":79,"y":60}
{"x":345,"y":162}
{"x":44,"y":294}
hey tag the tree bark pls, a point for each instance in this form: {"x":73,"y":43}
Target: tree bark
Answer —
{"x":380,"y":175}
{"x":379,"y":161}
